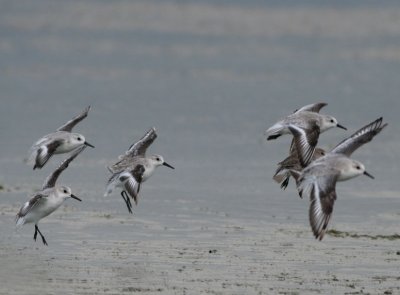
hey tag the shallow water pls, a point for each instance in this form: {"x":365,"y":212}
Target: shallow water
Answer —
{"x":211,"y":77}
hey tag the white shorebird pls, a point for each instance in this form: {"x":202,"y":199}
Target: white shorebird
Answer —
{"x":59,"y":142}
{"x":133,"y":168}
{"x":318,"y":179}
{"x":310,"y":122}
{"x":48,"y":199}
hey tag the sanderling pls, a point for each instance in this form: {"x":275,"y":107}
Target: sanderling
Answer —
{"x":48,"y":199}
{"x":308,"y":120}
{"x":133,"y":168}
{"x":59,"y":142}
{"x":318,"y":179}
{"x":282,"y":174}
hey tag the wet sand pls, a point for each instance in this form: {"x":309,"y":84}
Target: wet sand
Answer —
{"x":196,"y":250}
{"x":211,"y":77}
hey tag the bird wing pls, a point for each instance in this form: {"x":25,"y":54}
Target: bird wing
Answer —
{"x":71,"y":123}
{"x":305,"y":141}
{"x":359,"y":138}
{"x":45,"y":152}
{"x":28,"y":206}
{"x":52,"y":178}
{"x":137,"y":149}
{"x":322,"y":199}
{"x":315,"y":107}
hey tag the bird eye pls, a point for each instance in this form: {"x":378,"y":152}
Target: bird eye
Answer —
{"x":358,"y":167}
{"x":79,"y":139}
{"x":332,"y":121}
{"x":65,"y":191}
{"x":323,"y":153}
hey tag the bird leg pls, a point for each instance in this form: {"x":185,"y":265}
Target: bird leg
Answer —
{"x":128,"y":203}
{"x":35,"y":235}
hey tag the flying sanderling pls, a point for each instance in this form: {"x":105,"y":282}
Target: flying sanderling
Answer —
{"x":310,"y":122}
{"x":133,"y":168}
{"x":318,"y":179}
{"x":59,"y":142}
{"x":48,"y":199}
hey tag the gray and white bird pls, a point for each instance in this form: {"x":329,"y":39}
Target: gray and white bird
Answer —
{"x":48,"y":199}
{"x":310,"y":122}
{"x":133,"y":168}
{"x":318,"y":179}
{"x":59,"y":142}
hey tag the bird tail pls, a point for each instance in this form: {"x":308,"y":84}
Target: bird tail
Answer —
{"x":283,"y":179}
{"x":112,"y":182}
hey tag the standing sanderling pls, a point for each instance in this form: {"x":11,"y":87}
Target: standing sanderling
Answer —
{"x":133,"y":168}
{"x":48,"y":199}
{"x":318,"y":179}
{"x":308,"y":120}
{"x":59,"y":142}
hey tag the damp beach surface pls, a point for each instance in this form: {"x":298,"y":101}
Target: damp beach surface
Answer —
{"x":211,"y":77}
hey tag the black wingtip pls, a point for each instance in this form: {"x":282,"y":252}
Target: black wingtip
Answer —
{"x":271,"y":137}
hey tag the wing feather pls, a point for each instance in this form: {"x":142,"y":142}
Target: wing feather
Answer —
{"x":359,"y":138}
{"x":52,"y":178}
{"x":71,"y":123}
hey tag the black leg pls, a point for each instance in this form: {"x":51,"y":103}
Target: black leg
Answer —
{"x":128,"y":203}
{"x":35,"y":234}
{"x":37,"y":230}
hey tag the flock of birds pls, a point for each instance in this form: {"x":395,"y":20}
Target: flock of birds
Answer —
{"x":315,"y":170}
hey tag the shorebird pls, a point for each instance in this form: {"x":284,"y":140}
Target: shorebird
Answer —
{"x":310,"y":122}
{"x":133,"y":168}
{"x":59,"y":142}
{"x":48,"y":199}
{"x":318,"y":179}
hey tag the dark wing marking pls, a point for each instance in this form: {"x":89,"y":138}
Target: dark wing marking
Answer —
{"x":45,"y":152}
{"x":52,"y":178}
{"x":322,"y":197}
{"x":133,"y":185}
{"x":71,"y":123}
{"x":305,"y":141}
{"x":359,"y":138}
{"x":29,"y":205}
{"x":138,"y":172}
{"x":315,"y":107}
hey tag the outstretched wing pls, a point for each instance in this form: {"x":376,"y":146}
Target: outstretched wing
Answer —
{"x":315,"y":107}
{"x":359,"y":138}
{"x":305,"y":141}
{"x":71,"y":123}
{"x":322,"y":197}
{"x":52,"y":178}
{"x":137,"y":149}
